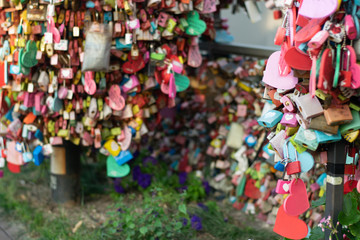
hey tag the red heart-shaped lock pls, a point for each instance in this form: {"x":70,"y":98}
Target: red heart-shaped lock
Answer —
{"x":251,"y":190}
{"x":132,"y":66}
{"x":349,"y":186}
{"x":297,"y":60}
{"x":297,"y":202}
{"x":290,"y":226}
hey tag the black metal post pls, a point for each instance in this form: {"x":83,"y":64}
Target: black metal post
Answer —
{"x":65,"y":173}
{"x":335,"y":184}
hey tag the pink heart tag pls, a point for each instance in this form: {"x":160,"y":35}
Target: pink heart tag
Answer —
{"x":318,"y":8}
{"x":172,"y":87}
{"x":116,"y":101}
{"x":89,"y":83}
{"x":194,"y":56}
{"x":297,"y":202}
{"x":272,"y":76}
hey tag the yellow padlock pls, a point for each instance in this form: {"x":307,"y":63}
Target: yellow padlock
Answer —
{"x":112,"y":146}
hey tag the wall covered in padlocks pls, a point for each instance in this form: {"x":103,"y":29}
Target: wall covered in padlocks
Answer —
{"x":90,"y":72}
{"x":313,"y":84}
{"x":216,"y":134}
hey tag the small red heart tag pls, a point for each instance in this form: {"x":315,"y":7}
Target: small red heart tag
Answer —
{"x":297,"y":202}
{"x":297,"y":60}
{"x":251,"y":190}
{"x":132,"y":66}
{"x":349,"y":186}
{"x":290,"y":226}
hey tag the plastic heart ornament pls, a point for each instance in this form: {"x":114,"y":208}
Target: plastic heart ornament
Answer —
{"x":297,"y":202}
{"x":318,"y":8}
{"x":116,"y":101}
{"x":290,"y":226}
{"x":272,"y":76}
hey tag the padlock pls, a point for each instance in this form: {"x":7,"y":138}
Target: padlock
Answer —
{"x":346,"y":74}
{"x":282,"y":186}
{"x":319,"y":123}
{"x":293,"y":167}
{"x":307,"y":138}
{"x":277,"y":143}
{"x":354,"y":125}
{"x":270,"y":119}
{"x":289,"y":120}
{"x":338,"y":115}
{"x":323,"y":137}
{"x":309,"y":107}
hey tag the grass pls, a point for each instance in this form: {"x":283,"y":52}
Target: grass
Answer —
{"x":43,"y":225}
{"x":39,"y":225}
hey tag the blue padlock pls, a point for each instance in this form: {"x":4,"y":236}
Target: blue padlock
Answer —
{"x":38,"y":155}
{"x":39,"y":135}
{"x":279,"y":166}
{"x":123,"y":157}
{"x":270,"y":119}
{"x":327,"y":138}
{"x":107,"y":17}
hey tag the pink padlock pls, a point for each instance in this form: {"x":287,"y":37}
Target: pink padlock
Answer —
{"x":282,"y":186}
{"x":289,"y":120}
{"x":62,"y":93}
{"x":38,"y":97}
{"x":319,"y":39}
{"x":350,"y":28}
{"x":131,"y":83}
{"x":288,"y":104}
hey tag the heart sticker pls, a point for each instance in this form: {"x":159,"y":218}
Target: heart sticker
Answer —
{"x":116,"y":101}
{"x":309,"y":135}
{"x":114,"y":169}
{"x":286,"y":187}
{"x":297,"y":60}
{"x":297,"y":202}
{"x":196,"y":25}
{"x":290,"y":226}
{"x":318,"y":8}
{"x":269,"y":114}
{"x":272,"y":76}
{"x":125,"y":143}
{"x":288,"y":117}
{"x":305,"y":158}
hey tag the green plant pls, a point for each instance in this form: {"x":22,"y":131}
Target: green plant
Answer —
{"x":349,"y":217}
{"x":159,"y":215}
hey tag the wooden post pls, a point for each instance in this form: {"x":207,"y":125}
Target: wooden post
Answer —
{"x":335,"y":184}
{"x":65,"y":173}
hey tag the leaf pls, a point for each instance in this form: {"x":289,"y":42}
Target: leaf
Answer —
{"x":143,"y":230}
{"x":158,"y":223}
{"x":178,"y":226}
{"x":355,"y":229}
{"x":131,"y":225}
{"x":316,"y":234}
{"x":321,"y":201}
{"x":128,"y":218}
{"x":348,"y":204}
{"x":352,"y":218}
{"x":182,"y":208}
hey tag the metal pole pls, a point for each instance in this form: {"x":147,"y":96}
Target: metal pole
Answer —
{"x":335,"y":184}
{"x":65,"y":173}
